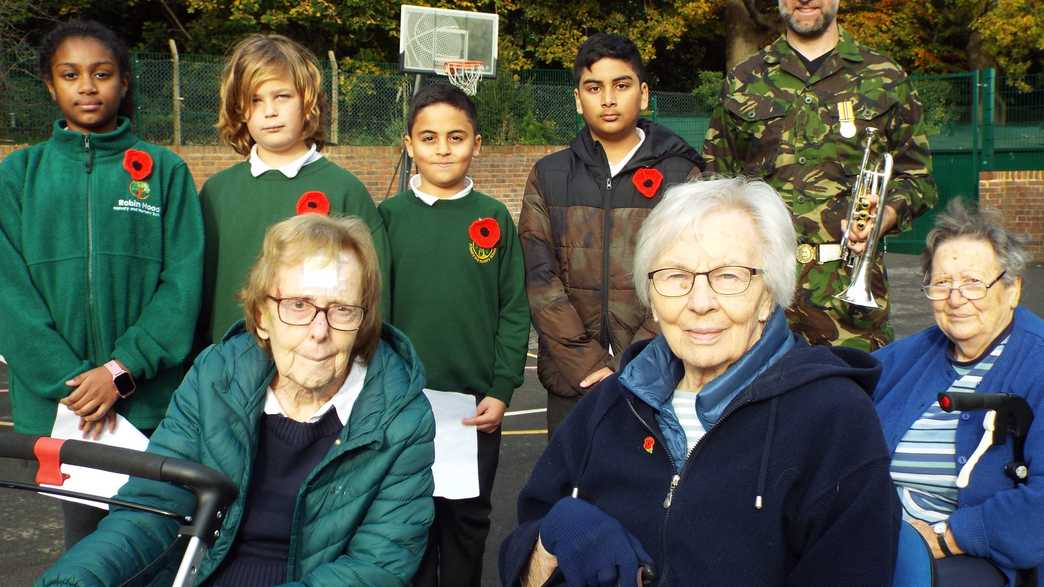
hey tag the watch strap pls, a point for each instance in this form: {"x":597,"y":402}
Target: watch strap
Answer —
{"x":114,"y":368}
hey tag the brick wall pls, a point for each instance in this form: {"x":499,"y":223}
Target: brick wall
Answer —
{"x":499,"y":171}
{"x":1019,"y":195}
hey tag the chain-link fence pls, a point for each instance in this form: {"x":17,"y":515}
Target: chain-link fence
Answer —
{"x":533,"y":107}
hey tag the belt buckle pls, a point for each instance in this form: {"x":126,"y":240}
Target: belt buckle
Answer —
{"x":805,"y":253}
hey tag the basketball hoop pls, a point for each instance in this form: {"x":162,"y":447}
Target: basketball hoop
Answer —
{"x":463,"y":73}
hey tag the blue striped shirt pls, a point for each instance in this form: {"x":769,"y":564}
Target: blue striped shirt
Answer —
{"x":684,"y":403}
{"x":924,"y":467}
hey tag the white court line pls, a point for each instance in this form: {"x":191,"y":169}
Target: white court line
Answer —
{"x":524,"y":412}
{"x":531,"y":355}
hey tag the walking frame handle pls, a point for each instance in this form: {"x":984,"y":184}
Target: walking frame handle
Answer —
{"x":214,"y":491}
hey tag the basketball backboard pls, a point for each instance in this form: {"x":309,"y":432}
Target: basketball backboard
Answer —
{"x":431,"y":37}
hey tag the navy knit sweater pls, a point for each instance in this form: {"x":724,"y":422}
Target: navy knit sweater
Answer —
{"x":287,"y":453}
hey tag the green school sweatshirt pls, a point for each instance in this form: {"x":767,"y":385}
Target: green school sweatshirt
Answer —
{"x":463,"y":307}
{"x":92,"y":272}
{"x":237,"y":210}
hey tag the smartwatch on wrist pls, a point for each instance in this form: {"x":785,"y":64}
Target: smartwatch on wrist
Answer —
{"x":121,"y":379}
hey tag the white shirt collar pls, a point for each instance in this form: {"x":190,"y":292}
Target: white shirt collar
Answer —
{"x":342,"y":401}
{"x":616,"y":168}
{"x":430,"y":200}
{"x":291,"y":169}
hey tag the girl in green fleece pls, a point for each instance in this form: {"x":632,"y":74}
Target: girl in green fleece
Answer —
{"x":101,"y":244}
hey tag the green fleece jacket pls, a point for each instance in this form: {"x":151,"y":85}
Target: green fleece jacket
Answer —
{"x":95,"y":268}
{"x":237,"y":210}
{"x":361,"y":516}
{"x":463,"y":306}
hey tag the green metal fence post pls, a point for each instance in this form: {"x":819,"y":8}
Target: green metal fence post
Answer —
{"x":655,"y":109}
{"x":989,"y":91}
{"x":976,"y":125}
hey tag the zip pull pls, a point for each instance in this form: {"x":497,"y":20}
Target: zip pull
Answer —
{"x":609,"y":183}
{"x":89,"y":163}
{"x":670,"y":493}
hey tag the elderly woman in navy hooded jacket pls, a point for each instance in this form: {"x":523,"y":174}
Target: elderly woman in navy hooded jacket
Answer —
{"x":983,"y":341}
{"x":725,"y":451}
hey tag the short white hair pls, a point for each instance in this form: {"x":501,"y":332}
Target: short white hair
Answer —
{"x":683,"y":209}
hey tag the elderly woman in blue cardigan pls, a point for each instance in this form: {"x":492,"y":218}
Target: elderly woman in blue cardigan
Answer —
{"x":983,"y":341}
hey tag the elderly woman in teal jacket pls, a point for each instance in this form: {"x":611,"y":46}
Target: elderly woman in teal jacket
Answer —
{"x":314,"y":410}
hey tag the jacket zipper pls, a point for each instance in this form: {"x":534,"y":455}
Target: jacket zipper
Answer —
{"x":91,"y":324}
{"x":677,"y":477}
{"x":607,"y":227}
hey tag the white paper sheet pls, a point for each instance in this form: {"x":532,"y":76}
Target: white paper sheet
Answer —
{"x":93,"y":481}
{"x":456,"y":445}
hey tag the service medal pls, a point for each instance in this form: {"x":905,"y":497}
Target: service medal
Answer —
{"x":846,"y":116}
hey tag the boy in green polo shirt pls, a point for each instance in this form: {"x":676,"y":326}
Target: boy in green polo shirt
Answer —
{"x":458,"y":291}
{"x":272,"y":107}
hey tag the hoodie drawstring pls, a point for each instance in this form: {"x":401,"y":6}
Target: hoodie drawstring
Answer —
{"x":763,"y":472}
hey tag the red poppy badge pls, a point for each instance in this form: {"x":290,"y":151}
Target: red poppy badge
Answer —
{"x":647,"y":181}
{"x":313,"y":202}
{"x":484,"y":234}
{"x":648,"y":444}
{"x":139,"y":165}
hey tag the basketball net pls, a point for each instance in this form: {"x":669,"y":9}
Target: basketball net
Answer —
{"x":464,"y":74}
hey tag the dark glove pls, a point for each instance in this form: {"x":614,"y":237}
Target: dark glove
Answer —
{"x":592,"y":547}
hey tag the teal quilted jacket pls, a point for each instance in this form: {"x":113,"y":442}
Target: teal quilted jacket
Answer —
{"x":361,"y":517}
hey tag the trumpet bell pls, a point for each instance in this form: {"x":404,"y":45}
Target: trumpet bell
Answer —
{"x":858,"y":291}
{"x":859,"y":298}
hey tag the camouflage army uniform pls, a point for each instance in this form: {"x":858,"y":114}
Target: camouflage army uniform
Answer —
{"x":778,"y":123}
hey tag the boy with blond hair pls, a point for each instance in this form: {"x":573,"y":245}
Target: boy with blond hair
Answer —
{"x":272,"y":112}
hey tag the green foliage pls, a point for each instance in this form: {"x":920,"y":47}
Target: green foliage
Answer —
{"x":708,"y":89}
{"x":508,"y":114}
{"x":939,"y":103}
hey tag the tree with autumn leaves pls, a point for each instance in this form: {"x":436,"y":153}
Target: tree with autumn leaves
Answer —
{"x":679,"y":38}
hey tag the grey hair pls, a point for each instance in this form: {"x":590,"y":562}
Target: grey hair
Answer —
{"x":683,"y":209}
{"x":985,"y":224}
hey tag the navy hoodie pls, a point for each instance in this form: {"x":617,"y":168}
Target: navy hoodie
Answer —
{"x":790,"y":486}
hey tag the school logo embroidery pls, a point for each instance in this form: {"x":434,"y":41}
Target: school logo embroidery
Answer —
{"x":313,"y":202}
{"x":484,"y":234}
{"x":139,"y":165}
{"x":648,"y":444}
{"x":647,"y":181}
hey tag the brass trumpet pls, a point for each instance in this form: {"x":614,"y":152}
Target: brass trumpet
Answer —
{"x":871,"y":182}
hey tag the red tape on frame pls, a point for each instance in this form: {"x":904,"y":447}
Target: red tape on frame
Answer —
{"x":47,"y":451}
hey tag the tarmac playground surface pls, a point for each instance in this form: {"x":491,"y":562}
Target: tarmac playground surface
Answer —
{"x":31,"y":524}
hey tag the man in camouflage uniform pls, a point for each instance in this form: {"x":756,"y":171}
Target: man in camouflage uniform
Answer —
{"x":795,"y":115}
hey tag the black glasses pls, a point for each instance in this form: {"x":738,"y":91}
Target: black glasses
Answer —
{"x":727,"y":280}
{"x":971,"y":290}
{"x":301,"y":312}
